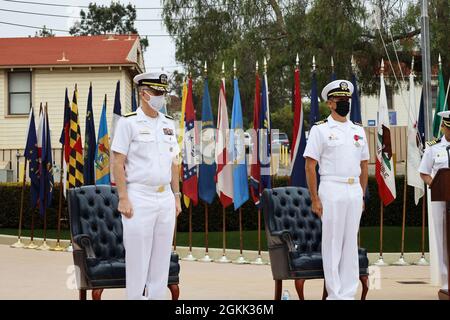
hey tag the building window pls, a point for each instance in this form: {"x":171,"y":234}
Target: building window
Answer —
{"x":19,"y":92}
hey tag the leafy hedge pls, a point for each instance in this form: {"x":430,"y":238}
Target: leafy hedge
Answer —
{"x":10,"y":206}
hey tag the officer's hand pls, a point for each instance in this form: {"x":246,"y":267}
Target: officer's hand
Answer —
{"x":317,"y":207}
{"x":177,"y":205}
{"x":125,"y":208}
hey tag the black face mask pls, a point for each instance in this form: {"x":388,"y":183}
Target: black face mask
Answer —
{"x":342,"y":108}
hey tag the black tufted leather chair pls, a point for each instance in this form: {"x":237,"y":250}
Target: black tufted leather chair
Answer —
{"x":99,"y":253}
{"x":294,"y":236}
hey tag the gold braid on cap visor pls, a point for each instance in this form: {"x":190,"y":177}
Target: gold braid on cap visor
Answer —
{"x":446,"y":123}
{"x":155,"y":84}
{"x":339,"y":94}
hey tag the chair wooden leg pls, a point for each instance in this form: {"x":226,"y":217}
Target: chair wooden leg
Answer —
{"x":299,"y":284}
{"x":82,"y":294}
{"x":174,"y":291}
{"x":325,"y":292}
{"x":97,"y":294}
{"x":365,"y":286}
{"x":278,"y":288}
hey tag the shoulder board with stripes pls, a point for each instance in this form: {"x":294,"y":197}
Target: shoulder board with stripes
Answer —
{"x":321,"y":122}
{"x":168,"y":117}
{"x":357,"y":123}
{"x":433,"y":142}
{"x":130,"y":114}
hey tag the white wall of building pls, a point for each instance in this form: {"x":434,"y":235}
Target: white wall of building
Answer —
{"x":49,"y":86}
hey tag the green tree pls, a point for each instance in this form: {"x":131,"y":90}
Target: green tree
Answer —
{"x":219,"y":31}
{"x":44,"y":32}
{"x":115,"y":18}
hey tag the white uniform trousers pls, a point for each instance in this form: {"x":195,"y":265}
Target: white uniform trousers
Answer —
{"x":342,"y":208}
{"x":148,"y":239}
{"x":439,"y":219}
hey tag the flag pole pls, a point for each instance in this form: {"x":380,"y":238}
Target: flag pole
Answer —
{"x":224,"y":258}
{"x":401,"y":261}
{"x":190,"y":257}
{"x":44,"y":245}
{"x":241,"y":259}
{"x":32,"y":245}
{"x":206,"y":258}
{"x":380,"y":261}
{"x":61,"y":192}
{"x":422,"y":261}
{"x":19,"y":243}
{"x":258,"y":260}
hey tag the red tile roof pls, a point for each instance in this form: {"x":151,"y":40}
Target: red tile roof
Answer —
{"x":77,"y":50}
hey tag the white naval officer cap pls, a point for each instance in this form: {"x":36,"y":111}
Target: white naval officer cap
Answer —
{"x":337,"y":88}
{"x":157,"y":81}
{"x":445,"y":118}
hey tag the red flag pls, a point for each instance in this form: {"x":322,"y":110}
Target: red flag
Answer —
{"x":190,"y":180}
{"x":255,"y":170}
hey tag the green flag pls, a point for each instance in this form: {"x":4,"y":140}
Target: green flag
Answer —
{"x":441,"y":105}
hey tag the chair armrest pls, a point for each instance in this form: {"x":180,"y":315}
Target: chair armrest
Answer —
{"x":286,"y":237}
{"x":85,"y":242}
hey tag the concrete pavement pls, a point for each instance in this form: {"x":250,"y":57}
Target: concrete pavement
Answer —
{"x":32,"y":274}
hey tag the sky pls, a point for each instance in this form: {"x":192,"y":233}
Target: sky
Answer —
{"x":160,"y":52}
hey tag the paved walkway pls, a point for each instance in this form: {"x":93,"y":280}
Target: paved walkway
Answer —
{"x":32,"y":274}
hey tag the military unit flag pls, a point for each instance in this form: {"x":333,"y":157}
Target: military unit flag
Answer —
{"x":89,"y":143}
{"x":102,"y":151}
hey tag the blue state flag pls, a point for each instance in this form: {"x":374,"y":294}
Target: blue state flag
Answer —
{"x":102,"y":151}
{"x":89,"y":143}
{"x":355,"y":111}
{"x":45,"y":168}
{"x":31,"y":155}
{"x":207,"y":170}
{"x":237,"y":148}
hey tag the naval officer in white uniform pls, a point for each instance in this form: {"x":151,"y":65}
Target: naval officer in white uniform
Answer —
{"x":146,"y":171}
{"x":340,"y":148}
{"x":435,"y":158}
